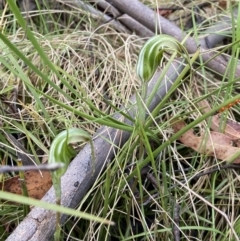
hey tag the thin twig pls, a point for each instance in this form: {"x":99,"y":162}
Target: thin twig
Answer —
{"x":176,"y":231}
{"x":227,"y":166}
{"x":47,"y":167}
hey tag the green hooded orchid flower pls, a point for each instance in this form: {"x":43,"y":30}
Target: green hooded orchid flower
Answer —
{"x":62,"y":152}
{"x":151,"y":54}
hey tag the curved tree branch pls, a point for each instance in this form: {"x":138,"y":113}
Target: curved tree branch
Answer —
{"x":149,"y":18}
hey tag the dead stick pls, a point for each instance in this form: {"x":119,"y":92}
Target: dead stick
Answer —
{"x":176,"y":228}
{"x":152,"y":21}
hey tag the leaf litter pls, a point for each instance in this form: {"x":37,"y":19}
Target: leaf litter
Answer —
{"x":37,"y":183}
{"x":212,"y":143}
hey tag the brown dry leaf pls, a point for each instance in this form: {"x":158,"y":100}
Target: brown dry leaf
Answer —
{"x":213,"y":144}
{"x":204,"y":105}
{"x":231,"y":130}
{"x":163,"y":12}
{"x":225,"y":4}
{"x":235,"y":125}
{"x":220,"y":138}
{"x":37,"y":184}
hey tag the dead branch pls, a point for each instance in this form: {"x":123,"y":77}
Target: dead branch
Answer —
{"x":110,"y":15}
{"x":148,"y":18}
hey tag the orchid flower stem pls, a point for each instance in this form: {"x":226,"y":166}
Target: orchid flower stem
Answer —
{"x":61,"y":152}
{"x":150,"y":57}
{"x":57,"y":188}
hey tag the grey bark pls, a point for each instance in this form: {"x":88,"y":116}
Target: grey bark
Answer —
{"x":123,"y":20}
{"x":148,"y":18}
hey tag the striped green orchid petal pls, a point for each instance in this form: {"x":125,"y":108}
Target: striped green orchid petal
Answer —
{"x":62,"y":152}
{"x":152,"y":52}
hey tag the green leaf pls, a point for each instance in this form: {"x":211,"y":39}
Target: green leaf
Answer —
{"x":50,"y":206}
